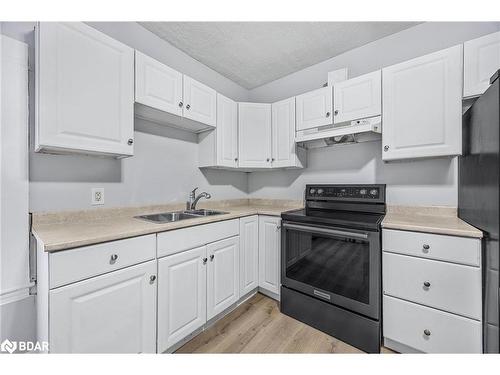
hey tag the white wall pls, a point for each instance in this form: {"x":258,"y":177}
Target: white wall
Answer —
{"x":425,"y":182}
{"x":165,"y":165}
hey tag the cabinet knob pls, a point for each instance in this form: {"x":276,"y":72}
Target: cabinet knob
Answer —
{"x":336,"y":112}
{"x":152,"y":279}
{"x":130,"y":142}
{"x":327,"y":114}
{"x":427,"y":284}
{"x":181,"y":104}
{"x":235,"y":159}
{"x":386,"y":148}
{"x":425,"y":247}
{"x":272,"y":159}
{"x":113,"y":258}
{"x":427,"y":332}
{"x":268,"y":160}
{"x":278,"y":228}
{"x":188,"y":106}
{"x":212,"y":257}
{"x":205,"y":260}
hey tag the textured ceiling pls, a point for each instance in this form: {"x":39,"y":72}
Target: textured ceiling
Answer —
{"x":255,"y":53}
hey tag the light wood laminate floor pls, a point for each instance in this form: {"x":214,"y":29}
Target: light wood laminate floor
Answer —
{"x":257,"y":326}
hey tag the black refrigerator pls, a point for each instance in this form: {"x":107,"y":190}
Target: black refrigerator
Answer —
{"x":479,"y":197}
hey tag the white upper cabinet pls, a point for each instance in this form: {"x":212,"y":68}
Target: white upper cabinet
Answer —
{"x":285,"y":153}
{"x":358,"y":98}
{"x":422,"y":113}
{"x":254,"y":135}
{"x":481,"y":60}
{"x":223,"y":275}
{"x":199,"y":102}
{"x":111,"y":313}
{"x":157,"y":85}
{"x":314,"y":108}
{"x":84,"y":91}
{"x":219,"y":148}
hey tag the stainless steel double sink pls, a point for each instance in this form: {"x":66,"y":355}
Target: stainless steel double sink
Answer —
{"x":169,"y":217}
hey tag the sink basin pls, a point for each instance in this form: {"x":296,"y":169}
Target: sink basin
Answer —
{"x":204,"y":212}
{"x":167,"y":217}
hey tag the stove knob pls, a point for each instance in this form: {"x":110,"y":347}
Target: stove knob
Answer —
{"x":312,"y":191}
{"x":373,"y":192}
{"x":320,"y":191}
{"x":362,"y":192}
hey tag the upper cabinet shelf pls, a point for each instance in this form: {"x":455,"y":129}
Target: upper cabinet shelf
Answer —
{"x":168,"y":97}
{"x":481,"y":60}
{"x":84,"y":91}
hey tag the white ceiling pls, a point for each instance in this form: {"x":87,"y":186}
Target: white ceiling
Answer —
{"x":255,"y":53}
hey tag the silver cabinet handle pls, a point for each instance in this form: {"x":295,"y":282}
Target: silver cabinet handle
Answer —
{"x":205,"y":260}
{"x":212,"y":257}
{"x":327,"y":114}
{"x":336,"y":112}
{"x":181,"y":104}
{"x":152,"y":279}
{"x":113,"y":258}
{"x":188,"y":106}
{"x":386,"y":148}
{"x":425,"y":247}
{"x":427,"y":332}
{"x":130,"y":142}
{"x":427,"y":284}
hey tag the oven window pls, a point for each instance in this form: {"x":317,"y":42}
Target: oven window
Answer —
{"x":334,"y":264}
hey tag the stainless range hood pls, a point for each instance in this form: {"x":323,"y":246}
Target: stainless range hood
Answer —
{"x":365,"y":130}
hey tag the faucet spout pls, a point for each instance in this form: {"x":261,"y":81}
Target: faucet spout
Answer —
{"x":194,"y":199}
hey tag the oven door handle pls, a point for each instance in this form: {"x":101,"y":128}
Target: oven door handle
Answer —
{"x":325,"y":231}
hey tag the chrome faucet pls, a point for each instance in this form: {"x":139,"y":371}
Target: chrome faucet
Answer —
{"x":193,"y":199}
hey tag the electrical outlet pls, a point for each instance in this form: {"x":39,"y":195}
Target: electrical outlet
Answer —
{"x":97,"y":196}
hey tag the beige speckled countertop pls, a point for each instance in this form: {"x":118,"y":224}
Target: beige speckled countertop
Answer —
{"x":65,"y":230}
{"x":439,"y":220}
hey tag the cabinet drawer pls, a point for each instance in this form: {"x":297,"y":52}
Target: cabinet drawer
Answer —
{"x":179,"y":240}
{"x":450,"y":287}
{"x":73,"y":265}
{"x":433,"y":246}
{"x":406,"y":323}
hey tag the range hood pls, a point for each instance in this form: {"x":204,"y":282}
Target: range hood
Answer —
{"x":365,"y":130}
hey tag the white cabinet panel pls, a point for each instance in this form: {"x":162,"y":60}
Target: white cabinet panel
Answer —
{"x":429,"y":330}
{"x":481,"y":60}
{"x":223,"y":275}
{"x":227,"y":132}
{"x":182,"y":284}
{"x":85,"y":91}
{"x":446,"y":286}
{"x":254,"y":135}
{"x":157,"y":85}
{"x":422,"y":114}
{"x":112,"y":313}
{"x":249,"y":254}
{"x":199,"y":102}
{"x":314,"y":108}
{"x":284,"y":150}
{"x":358,"y":98}
{"x":269,"y":253}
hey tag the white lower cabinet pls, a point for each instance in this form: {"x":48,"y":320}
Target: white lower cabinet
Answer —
{"x":269,"y":253}
{"x":249,"y":254}
{"x":223,"y":275}
{"x":112,"y":313}
{"x":182,"y":288}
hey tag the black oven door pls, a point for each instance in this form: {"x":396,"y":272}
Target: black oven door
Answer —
{"x":339,"y":266}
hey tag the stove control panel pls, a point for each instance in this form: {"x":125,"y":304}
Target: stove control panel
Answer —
{"x":368,"y":192}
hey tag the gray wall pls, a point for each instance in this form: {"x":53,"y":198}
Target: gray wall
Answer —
{"x":164,"y":167}
{"x":426,"y":182}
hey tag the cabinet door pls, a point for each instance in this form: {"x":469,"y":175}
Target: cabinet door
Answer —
{"x":481,"y":60}
{"x":358,"y":98}
{"x":283,"y":135}
{"x":227,"y":132}
{"x":182,"y":288}
{"x":254,"y":135}
{"x":112,"y":313}
{"x":223,"y":275}
{"x":85,"y":91}
{"x":249,"y":254}
{"x":269,"y":253}
{"x":422,"y":115}
{"x":199,"y":102}
{"x":314,"y":108}
{"x":157,"y":85}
